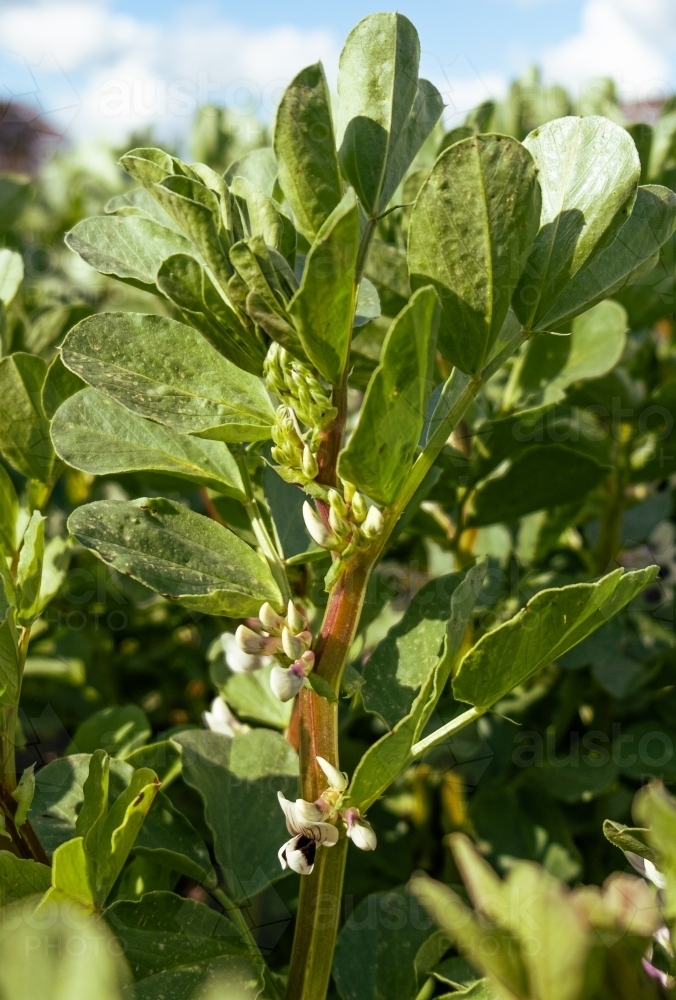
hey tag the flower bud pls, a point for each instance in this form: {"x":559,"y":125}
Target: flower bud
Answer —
{"x":221,"y":720}
{"x":305,"y":639}
{"x":307,"y":661}
{"x":292,"y":646}
{"x":317,"y":529}
{"x":339,"y":525}
{"x":337,"y":779}
{"x":373,"y":524}
{"x":270,"y":620}
{"x":348,"y":491}
{"x":309,"y":465}
{"x":337,"y":503}
{"x":358,"y":508}
{"x":250,"y":641}
{"x":359,"y":831}
{"x":285,"y":684}
{"x":295,"y":618}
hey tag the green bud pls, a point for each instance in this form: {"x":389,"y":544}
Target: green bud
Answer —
{"x":309,"y":463}
{"x":337,"y":503}
{"x":358,"y":508}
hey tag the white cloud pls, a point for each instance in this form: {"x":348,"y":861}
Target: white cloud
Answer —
{"x":630,"y":40}
{"x":129,"y":74}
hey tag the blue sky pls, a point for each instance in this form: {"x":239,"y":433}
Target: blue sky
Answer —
{"x":98,"y":68}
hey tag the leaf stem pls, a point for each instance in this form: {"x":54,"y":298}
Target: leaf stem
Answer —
{"x":272,"y":556}
{"x":445,"y":732}
{"x":239,"y":920}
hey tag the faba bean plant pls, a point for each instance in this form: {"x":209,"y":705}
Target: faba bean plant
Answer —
{"x":358,"y":341}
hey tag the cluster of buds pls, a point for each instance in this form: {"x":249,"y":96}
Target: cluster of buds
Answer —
{"x":352,"y":524}
{"x":288,"y":640}
{"x":315,"y":824}
{"x":304,"y":404}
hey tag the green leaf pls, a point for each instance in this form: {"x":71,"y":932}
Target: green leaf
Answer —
{"x":57,"y":955}
{"x":73,"y":876}
{"x":54,"y":568}
{"x":29,"y":571}
{"x":403,"y":659}
{"x":11,"y":275}
{"x":376,"y":949}
{"x":550,"y":624}
{"x":24,"y":429}
{"x":385,"y":112}
{"x":10,"y":676}
{"x":258,"y":166}
{"x":368,"y":304}
{"x":94,"y":433}
{"x":631,"y":256}
{"x":121,"y":828}
{"x":588,"y":169}
{"x":471,"y":230}
{"x":554,"y":475}
{"x":168,"y":839}
{"x":385,"y":760}
{"x":149,"y":165}
{"x":23,"y":795}
{"x":130,"y":248}
{"x":662,"y":145}
{"x":237,"y":779}
{"x":305,"y":147}
{"x":265,"y":218}
{"x":197,"y":210}
{"x":172,"y":943}
{"x":96,"y":791}
{"x":162,"y":757}
{"x":180,"y":554}
{"x":59,"y":385}
{"x":166,"y":371}
{"x":629,"y":838}
{"x":118,"y":730}
{"x":9,"y":511}
{"x":550,"y":364}
{"x":323,"y":307}
{"x":20,"y":878}
{"x":139,"y":201}
{"x":187,"y":284}
{"x":250,"y":696}
{"x":379,"y":454}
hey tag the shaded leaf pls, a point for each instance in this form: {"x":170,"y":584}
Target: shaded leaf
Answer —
{"x":11,"y":274}
{"x":96,"y":434}
{"x":237,"y":779}
{"x":178,"y":553}
{"x":24,"y":429}
{"x":118,"y":730}
{"x":20,"y":878}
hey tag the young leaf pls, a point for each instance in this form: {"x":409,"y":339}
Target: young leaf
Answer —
{"x":24,"y":429}
{"x":187,"y":284}
{"x":258,"y":166}
{"x":264,"y":218}
{"x":379,"y":453}
{"x":385,"y":112}
{"x":183,"y":555}
{"x":633,"y":254}
{"x":554,"y":474}
{"x":550,"y":624}
{"x":588,"y":169}
{"x":94,"y":809}
{"x":130,"y":248}
{"x":234,"y":778}
{"x":471,"y":230}
{"x":323,"y":307}
{"x":29,"y":572}
{"x":140,"y":202}
{"x":9,"y":510}
{"x":20,"y":878}
{"x":96,"y":434}
{"x":73,"y":876}
{"x":166,"y":371}
{"x":23,"y":795}
{"x":172,"y":943}
{"x":305,"y":146}
{"x":197,"y":210}
{"x":121,"y":827}
{"x":11,"y":275}
{"x":149,"y":165}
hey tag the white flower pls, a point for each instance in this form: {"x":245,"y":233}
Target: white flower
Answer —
{"x":359,"y":831}
{"x":317,"y":529}
{"x":306,"y":819}
{"x":646,"y":868}
{"x":270,"y":620}
{"x":239,"y":661}
{"x":251,"y":642}
{"x":298,"y":854}
{"x":221,"y":720}
{"x":373,"y":524}
{"x":285,"y":684}
{"x":337,"y":779}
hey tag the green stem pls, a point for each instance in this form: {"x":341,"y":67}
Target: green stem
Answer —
{"x":236,"y":916}
{"x":442,"y":734}
{"x":317,"y":925}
